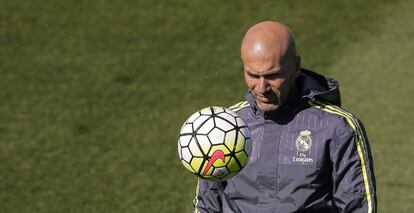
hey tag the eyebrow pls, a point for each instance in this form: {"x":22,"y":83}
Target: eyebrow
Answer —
{"x":265,"y":75}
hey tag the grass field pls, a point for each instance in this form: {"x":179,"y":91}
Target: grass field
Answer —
{"x":93,"y":93}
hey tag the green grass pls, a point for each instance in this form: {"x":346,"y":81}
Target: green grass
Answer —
{"x":379,"y":87}
{"x":93,"y":93}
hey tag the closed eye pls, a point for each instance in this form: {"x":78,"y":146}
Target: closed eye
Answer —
{"x":252,"y":75}
{"x":273,"y":76}
{"x":267,"y":76}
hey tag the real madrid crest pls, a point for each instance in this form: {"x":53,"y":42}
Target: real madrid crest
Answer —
{"x":304,"y":141}
{"x":303,"y":145}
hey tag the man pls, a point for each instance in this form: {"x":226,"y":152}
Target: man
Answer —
{"x":308,"y":155}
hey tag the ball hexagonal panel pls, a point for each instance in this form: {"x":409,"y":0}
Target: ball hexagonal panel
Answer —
{"x":185,"y":140}
{"x":188,"y":166}
{"x":232,"y":165}
{"x":223,"y":124}
{"x":204,"y":143}
{"x":242,"y":157}
{"x":228,"y":117}
{"x":230,"y":139}
{"x":230,"y":112}
{"x":186,"y":154}
{"x":206,"y":127}
{"x":216,"y":136}
{"x":187,"y":129}
{"x":248,"y":146}
{"x":194,"y":149}
{"x":221,"y":147}
{"x":218,"y":109}
{"x":198,"y":122}
{"x":245,"y":131}
{"x":193,"y":117}
{"x":196,"y":163}
{"x":240,"y":142}
{"x":179,"y":152}
{"x":206,"y":111}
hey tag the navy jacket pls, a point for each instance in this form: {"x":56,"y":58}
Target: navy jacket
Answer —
{"x":313,"y":156}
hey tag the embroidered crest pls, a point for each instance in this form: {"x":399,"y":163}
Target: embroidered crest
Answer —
{"x":304,"y":141}
{"x":303,"y":145}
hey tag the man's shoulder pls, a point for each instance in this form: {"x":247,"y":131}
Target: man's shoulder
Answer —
{"x":239,"y":106}
{"x":334,"y":114}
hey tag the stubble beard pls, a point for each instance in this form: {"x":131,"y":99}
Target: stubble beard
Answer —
{"x":271,"y":105}
{"x":280,"y":101}
{"x":265,"y":107}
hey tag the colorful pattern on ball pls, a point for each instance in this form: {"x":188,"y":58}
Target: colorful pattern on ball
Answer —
{"x":214,"y":143}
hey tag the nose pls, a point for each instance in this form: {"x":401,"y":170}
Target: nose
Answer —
{"x":263,"y":85}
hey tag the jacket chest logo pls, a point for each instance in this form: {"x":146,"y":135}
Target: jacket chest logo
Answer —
{"x":304,"y":141}
{"x":303,"y":145}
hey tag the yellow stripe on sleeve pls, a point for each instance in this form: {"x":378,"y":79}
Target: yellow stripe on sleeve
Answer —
{"x":237,"y":107}
{"x":195,"y":201}
{"x":361,"y":146}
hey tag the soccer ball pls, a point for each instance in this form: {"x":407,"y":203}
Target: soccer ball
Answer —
{"x":214,"y":143}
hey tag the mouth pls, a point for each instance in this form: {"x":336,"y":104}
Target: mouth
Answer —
{"x":268,"y":98}
{"x":263,"y":99}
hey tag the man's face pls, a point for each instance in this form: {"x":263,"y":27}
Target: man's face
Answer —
{"x":270,"y":78}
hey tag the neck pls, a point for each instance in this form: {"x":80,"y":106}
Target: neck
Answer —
{"x":291,"y":99}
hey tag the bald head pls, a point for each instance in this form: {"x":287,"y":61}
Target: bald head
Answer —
{"x":268,"y":39}
{"x":271,"y":64}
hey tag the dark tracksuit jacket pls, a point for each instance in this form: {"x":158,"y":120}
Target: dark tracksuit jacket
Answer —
{"x":312,"y":157}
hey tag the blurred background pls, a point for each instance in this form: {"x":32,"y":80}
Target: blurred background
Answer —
{"x":93,"y":93}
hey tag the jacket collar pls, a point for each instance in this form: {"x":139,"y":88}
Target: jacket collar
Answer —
{"x":311,"y":86}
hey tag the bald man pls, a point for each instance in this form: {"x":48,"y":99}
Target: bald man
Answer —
{"x":309,"y":155}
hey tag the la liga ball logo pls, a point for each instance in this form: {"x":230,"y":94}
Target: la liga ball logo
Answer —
{"x":214,"y":143}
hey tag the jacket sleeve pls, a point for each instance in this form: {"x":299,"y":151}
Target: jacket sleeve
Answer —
{"x":208,"y":197}
{"x":354,"y":188}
